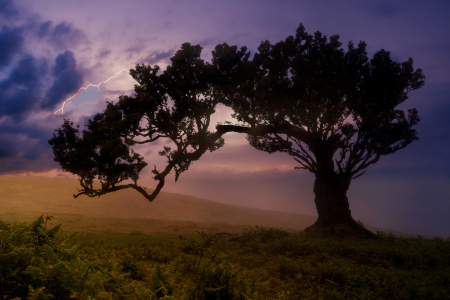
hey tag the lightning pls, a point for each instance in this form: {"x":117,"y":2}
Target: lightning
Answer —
{"x":85,"y":88}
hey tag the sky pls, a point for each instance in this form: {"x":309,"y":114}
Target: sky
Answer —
{"x":49,"y":49}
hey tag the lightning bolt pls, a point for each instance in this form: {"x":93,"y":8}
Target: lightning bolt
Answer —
{"x":86,"y":87}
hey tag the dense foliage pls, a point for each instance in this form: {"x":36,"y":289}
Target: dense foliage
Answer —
{"x":37,"y":262}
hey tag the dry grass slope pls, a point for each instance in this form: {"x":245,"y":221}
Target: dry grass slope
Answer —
{"x":25,"y":198}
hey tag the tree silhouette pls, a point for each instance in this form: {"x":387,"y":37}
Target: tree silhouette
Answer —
{"x":334,"y":111}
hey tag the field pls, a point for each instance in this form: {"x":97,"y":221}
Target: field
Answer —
{"x":124,"y":250}
{"x":25,"y":198}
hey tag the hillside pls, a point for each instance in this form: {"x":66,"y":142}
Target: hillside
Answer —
{"x":23,"y":198}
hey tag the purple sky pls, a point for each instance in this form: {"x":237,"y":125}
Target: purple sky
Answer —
{"x":49,"y":49}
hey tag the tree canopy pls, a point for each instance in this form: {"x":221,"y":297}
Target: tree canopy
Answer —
{"x":334,"y":110}
{"x":329,"y":100}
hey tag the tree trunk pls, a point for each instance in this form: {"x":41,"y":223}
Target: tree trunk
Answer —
{"x":333,"y":208}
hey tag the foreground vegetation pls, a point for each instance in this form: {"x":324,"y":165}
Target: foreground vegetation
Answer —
{"x":39,"y":262}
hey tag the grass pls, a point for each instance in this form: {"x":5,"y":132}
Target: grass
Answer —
{"x":25,"y":197}
{"x":123,"y":251}
{"x":39,"y":261}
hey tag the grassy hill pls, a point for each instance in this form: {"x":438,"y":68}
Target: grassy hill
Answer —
{"x":130,"y":249}
{"x":23,"y":198}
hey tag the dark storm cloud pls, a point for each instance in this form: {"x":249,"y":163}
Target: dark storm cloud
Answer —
{"x":15,"y":140}
{"x":8,"y":9}
{"x":64,"y":63}
{"x":10,"y":128}
{"x":44,"y":29}
{"x":24,"y":145}
{"x":62,"y":36}
{"x":68,"y":80}
{"x":25,"y":140}
{"x":6,"y":148}
{"x":11,"y":42}
{"x":28,"y":70}
{"x":28,"y":156}
{"x":23,"y":89}
{"x":65,"y":36}
{"x":40,"y":149}
{"x":22,"y":92}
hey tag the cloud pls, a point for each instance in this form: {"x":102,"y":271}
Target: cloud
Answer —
{"x":44,"y":29}
{"x":104,"y":54}
{"x":24,"y":145}
{"x":28,"y":75}
{"x":65,"y":36}
{"x":62,"y":36}
{"x":17,"y":21}
{"x":24,"y":92}
{"x":135,"y":49}
{"x":157,"y":56}
{"x":6,"y":149}
{"x":64,"y":62}
{"x":8,"y":10}
{"x":68,"y":80}
{"x":23,"y":89}
{"x":11,"y":43}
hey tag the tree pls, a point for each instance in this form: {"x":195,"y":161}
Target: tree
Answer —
{"x":334,"y":111}
{"x":176,"y":105}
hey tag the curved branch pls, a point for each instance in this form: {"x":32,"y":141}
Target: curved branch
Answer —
{"x":159,"y":176}
{"x":99,"y":192}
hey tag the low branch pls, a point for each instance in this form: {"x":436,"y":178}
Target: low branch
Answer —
{"x":97,"y":193}
{"x":261,"y":130}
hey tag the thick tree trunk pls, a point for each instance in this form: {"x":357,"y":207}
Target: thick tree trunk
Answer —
{"x":333,"y":208}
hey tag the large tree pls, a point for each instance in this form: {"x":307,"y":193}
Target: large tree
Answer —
{"x":334,"y":111}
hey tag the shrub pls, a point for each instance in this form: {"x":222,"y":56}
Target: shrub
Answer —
{"x":40,"y":262}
